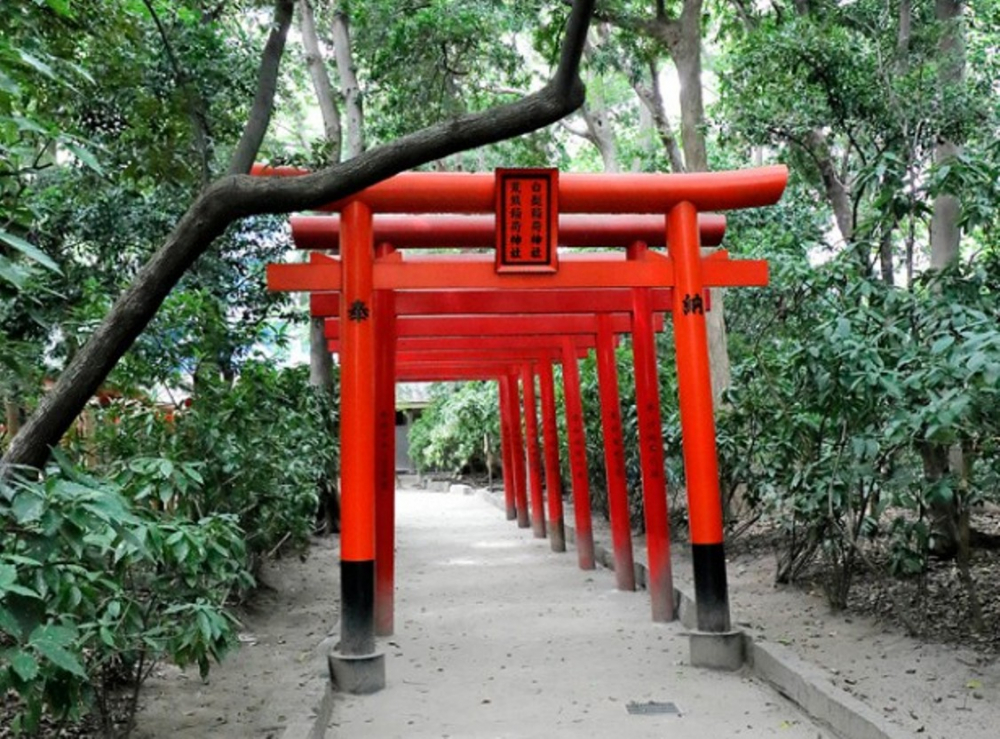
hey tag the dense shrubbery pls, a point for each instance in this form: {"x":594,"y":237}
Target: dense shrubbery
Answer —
{"x":104,"y":573}
{"x":95,"y":589}
{"x":459,"y":431}
{"x":257,"y":449}
{"x":848,"y":416}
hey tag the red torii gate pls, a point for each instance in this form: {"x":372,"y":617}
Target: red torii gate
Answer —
{"x":461,"y":339}
{"x":358,"y":667}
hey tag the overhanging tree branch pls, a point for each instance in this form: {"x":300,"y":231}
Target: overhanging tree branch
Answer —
{"x":238,"y":195}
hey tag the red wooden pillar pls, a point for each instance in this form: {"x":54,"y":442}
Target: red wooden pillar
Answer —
{"x":517,"y":452}
{"x":357,"y":435}
{"x":553,"y":478}
{"x":697,"y":423}
{"x":506,"y":455}
{"x":534,"y":458}
{"x":577,"y":442}
{"x":614,"y":455}
{"x":654,"y":485}
{"x":385,"y":466}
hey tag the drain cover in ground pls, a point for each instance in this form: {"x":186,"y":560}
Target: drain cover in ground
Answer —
{"x":651,"y":708}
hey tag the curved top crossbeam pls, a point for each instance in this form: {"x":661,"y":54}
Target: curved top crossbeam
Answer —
{"x":462,"y":192}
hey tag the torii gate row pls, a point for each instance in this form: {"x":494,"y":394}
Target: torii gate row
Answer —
{"x":357,"y":666}
{"x":479,"y":330}
{"x":477,"y":348}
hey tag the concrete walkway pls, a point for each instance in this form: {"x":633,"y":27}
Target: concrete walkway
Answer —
{"x":497,"y":636}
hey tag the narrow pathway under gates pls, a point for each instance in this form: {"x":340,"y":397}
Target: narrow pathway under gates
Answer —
{"x":497,"y":636}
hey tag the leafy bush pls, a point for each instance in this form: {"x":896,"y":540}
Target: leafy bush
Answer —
{"x":454,"y":431}
{"x":257,"y":449}
{"x":848,"y":406}
{"x":94,"y":591}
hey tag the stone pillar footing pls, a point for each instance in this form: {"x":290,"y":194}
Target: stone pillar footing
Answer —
{"x":717,"y":651}
{"x":357,"y":674}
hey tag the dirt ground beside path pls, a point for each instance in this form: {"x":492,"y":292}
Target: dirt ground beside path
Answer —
{"x":934,"y":691}
{"x":271,"y":680}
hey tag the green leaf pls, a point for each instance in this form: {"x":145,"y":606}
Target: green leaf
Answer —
{"x":29,"y":250}
{"x":15,"y":274}
{"x":942,"y":344}
{"x":61,"y":7}
{"x":24,"y":665}
{"x":9,"y":624}
{"x":37,"y":64}
{"x":27,"y":507}
{"x":50,"y":641}
{"x":85,"y":156}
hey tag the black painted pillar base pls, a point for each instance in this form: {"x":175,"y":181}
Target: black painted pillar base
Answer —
{"x":711,"y":591}
{"x":357,"y":607}
{"x":355,"y":666}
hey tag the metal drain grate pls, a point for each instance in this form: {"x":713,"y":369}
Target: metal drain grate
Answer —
{"x":653,"y":708}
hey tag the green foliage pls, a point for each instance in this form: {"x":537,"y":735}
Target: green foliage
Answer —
{"x":256,"y":449}
{"x":830,"y":406}
{"x":455,"y":430}
{"x":95,"y":590}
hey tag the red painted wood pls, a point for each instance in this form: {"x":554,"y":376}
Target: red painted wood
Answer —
{"x":385,"y":465}
{"x":550,"y":442}
{"x":534,"y":459}
{"x":517,"y":447}
{"x":701,"y":471}
{"x":478,"y":232}
{"x":614,"y":457}
{"x":577,"y":443}
{"x":506,"y":453}
{"x":449,"y":302}
{"x":426,"y":192}
{"x":487,"y":325}
{"x":654,"y":485}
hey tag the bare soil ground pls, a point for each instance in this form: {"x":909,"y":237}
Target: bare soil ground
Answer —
{"x":270,"y":681}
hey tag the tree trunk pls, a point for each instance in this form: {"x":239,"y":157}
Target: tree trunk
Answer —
{"x":320,"y":360}
{"x":652,"y":99}
{"x":236,"y":196}
{"x":944,"y":232}
{"x":348,"y":84}
{"x":600,"y":133}
{"x":885,"y":254}
{"x":320,"y":79}
{"x":836,"y":192}
{"x":686,"y":53}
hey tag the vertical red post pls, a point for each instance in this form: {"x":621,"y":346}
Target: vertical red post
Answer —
{"x":506,"y":457}
{"x":385,"y":466}
{"x":517,"y":452}
{"x":654,"y":484}
{"x":534,"y":458}
{"x":550,"y":435}
{"x":614,"y":455}
{"x":357,"y":435}
{"x":697,"y":422}
{"x":577,"y":441}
